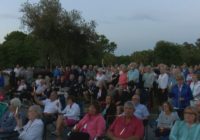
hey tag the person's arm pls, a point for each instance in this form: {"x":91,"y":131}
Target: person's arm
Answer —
{"x":100,"y":126}
{"x":174,"y":131}
{"x":111,"y":136}
{"x":110,"y":130}
{"x":37,"y":100}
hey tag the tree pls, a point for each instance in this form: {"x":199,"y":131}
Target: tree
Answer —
{"x":145,"y":57}
{"x":17,"y":49}
{"x":66,"y":36}
{"x":167,"y":53}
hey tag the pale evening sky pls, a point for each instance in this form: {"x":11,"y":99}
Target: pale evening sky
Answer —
{"x":133,"y":24}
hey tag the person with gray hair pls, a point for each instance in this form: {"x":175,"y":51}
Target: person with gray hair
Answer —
{"x":7,"y":121}
{"x":33,"y":130}
{"x":126,"y":126}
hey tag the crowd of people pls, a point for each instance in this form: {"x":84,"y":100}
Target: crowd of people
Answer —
{"x":113,"y":102}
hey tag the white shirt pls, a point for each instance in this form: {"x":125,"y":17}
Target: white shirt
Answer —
{"x":51,"y":106}
{"x":22,"y":87}
{"x":163,"y":81}
{"x":32,"y":130}
{"x":195,"y":88}
{"x":72,"y":112}
{"x":17,"y":72}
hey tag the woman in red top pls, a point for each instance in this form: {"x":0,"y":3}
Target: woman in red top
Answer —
{"x":127,"y":126}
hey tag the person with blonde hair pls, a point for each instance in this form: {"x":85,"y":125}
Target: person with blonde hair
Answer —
{"x":189,"y":128}
{"x":7,"y":121}
{"x":34,"y":128}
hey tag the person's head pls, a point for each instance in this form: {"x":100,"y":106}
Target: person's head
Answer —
{"x":80,"y":78}
{"x":191,"y":115}
{"x":119,"y":109}
{"x":135,"y":99}
{"x":71,"y":77}
{"x":179,"y":79}
{"x":195,"y":77}
{"x":14,"y":104}
{"x":148,"y":68}
{"x":70,"y":100}
{"x":167,"y":107}
{"x":53,"y":96}
{"x":34,"y":112}
{"x":108,"y":99}
{"x":129,"y":109}
{"x":94,"y":108}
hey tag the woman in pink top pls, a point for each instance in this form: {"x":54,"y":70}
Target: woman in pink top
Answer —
{"x":123,"y":79}
{"x":92,"y":123}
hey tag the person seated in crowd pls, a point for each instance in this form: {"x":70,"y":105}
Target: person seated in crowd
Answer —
{"x":195,"y":86}
{"x":101,"y":93}
{"x":141,"y":111}
{"x":165,"y":121}
{"x":109,"y":110}
{"x":126,"y":126}
{"x":92,"y":123}
{"x":181,"y":95}
{"x":119,"y":110}
{"x":69,"y":116}
{"x":121,"y":96}
{"x":40,"y":89}
{"x":189,"y":128}
{"x":7,"y":121}
{"x":34,"y":128}
{"x":72,"y":84}
{"x":51,"y":106}
{"x":21,"y":86}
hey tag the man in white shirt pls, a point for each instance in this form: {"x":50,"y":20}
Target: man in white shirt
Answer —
{"x":51,"y":105}
{"x":162,"y":85}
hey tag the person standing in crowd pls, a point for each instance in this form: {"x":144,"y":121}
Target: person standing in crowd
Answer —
{"x":148,"y":79}
{"x":165,"y":121}
{"x":133,"y":73}
{"x":33,"y":130}
{"x":181,"y":95}
{"x":126,"y":126}
{"x":162,"y":85}
{"x":123,"y":79}
{"x":189,"y":128}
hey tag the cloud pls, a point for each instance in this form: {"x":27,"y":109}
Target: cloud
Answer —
{"x":139,"y":17}
{"x":8,"y":16}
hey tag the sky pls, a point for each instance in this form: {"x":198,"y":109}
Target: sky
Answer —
{"x":134,"y":25}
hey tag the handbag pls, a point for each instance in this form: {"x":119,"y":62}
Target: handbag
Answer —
{"x":78,"y":136}
{"x":162,"y":132}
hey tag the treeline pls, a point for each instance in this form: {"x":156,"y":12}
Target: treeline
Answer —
{"x":166,"y":52}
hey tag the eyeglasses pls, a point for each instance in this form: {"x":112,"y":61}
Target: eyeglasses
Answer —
{"x":190,"y":113}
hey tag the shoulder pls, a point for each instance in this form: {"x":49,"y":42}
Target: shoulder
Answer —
{"x":38,"y":122}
